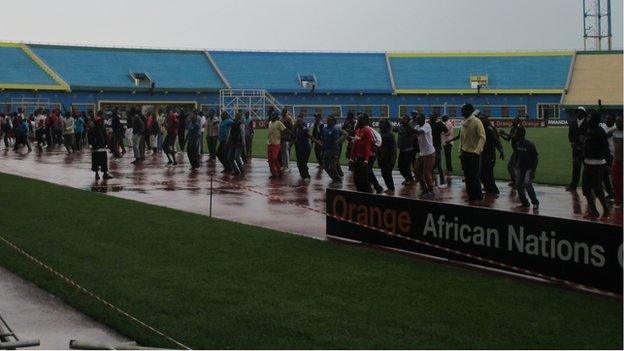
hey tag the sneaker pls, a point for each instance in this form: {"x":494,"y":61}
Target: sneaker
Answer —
{"x":108,"y":176}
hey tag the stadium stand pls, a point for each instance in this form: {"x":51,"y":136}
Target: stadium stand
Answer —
{"x":106,"y":68}
{"x":595,"y":76}
{"x":537,"y":71}
{"x":280,"y":71}
{"x":19,"y":70}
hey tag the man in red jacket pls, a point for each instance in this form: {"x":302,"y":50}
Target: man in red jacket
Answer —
{"x":360,"y":155}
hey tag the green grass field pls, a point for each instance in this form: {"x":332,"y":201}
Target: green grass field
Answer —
{"x":215,"y":284}
{"x":555,"y":165}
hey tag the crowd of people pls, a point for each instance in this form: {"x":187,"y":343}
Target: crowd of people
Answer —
{"x":421,"y":147}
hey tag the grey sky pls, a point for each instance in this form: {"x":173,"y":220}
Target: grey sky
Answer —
{"x":352,"y":25}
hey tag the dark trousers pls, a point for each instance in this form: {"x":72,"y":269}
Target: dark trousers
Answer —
{"x":222,"y":155}
{"x":438,"y":164}
{"x":511,"y":167}
{"x":606,"y":177}
{"x":524,"y":184}
{"x":212,"y":146}
{"x":405,"y":165}
{"x":169,"y":147}
{"x":386,"y":173}
{"x":448,"y":157}
{"x":330,"y":164}
{"x":118,"y":137}
{"x":577,"y":165}
{"x":248,"y":146}
{"x":470,"y":165}
{"x":318,"y":152}
{"x":361,"y":176}
{"x":303,"y":155}
{"x":49,"y":139}
{"x":181,"y":141}
{"x":193,"y":154}
{"x":487,"y":173}
{"x":371,"y":174}
{"x":593,"y":180}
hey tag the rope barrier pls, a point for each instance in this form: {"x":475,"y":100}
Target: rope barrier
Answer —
{"x":84,"y":290}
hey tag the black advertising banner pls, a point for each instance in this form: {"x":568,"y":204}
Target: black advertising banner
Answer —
{"x":581,"y":252}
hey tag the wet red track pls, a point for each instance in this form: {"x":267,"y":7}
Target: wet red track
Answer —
{"x":286,"y":204}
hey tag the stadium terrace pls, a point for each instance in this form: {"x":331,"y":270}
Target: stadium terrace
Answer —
{"x":539,"y":85}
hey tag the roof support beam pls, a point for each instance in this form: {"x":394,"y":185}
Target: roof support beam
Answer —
{"x":217,"y":69}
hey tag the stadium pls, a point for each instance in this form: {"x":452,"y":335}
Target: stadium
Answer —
{"x":539,"y":85}
{"x":157,"y":255}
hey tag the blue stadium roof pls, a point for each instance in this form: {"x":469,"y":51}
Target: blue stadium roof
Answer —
{"x":279,"y":71}
{"x":504,"y":72}
{"x":17,"y":68}
{"x":87,"y":67}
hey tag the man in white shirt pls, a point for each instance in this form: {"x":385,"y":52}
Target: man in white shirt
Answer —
{"x":447,"y":142}
{"x":425,"y":162}
{"x":609,"y":127}
{"x":202,"y":125}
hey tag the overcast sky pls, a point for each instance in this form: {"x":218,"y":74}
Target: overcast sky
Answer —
{"x":344,"y":25}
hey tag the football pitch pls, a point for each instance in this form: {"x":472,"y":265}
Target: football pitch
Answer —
{"x":211,"y":283}
{"x":555,"y":155}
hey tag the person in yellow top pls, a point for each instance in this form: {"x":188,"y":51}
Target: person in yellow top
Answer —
{"x":472,"y":141}
{"x":276,"y":128}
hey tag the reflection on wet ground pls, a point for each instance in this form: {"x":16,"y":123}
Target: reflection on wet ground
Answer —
{"x":252,"y":199}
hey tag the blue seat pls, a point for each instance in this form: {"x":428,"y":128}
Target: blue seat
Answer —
{"x":17,"y":68}
{"x":279,"y":71}
{"x":110,"y":68}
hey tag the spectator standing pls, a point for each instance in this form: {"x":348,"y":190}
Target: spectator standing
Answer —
{"x":193,"y":139}
{"x":171,"y":123}
{"x":99,"y":156}
{"x":237,"y":144}
{"x":438,"y":128}
{"x":138,"y":132}
{"x":276,"y":128}
{"x":289,"y":123}
{"x":68,"y":133}
{"x":512,"y":137}
{"x":331,"y":149}
{"x":362,"y":149}
{"x":249,"y":135}
{"x":224,"y":134}
{"x":302,"y":147}
{"x":212,"y":134}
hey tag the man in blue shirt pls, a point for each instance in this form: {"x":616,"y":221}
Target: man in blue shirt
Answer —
{"x":79,"y":131}
{"x":331,"y":149}
{"x":223,"y":148}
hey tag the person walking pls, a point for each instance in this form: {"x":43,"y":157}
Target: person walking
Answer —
{"x":472,"y":140}
{"x":193,"y":138}
{"x":21,"y":133}
{"x":250,"y":131}
{"x":576,"y":136}
{"x":276,"y":128}
{"x":212,"y":134}
{"x":447,"y":142}
{"x":79,"y":132}
{"x":171,"y":124}
{"x":331,"y":149}
{"x":512,"y":137}
{"x":223,"y":150}
{"x":361,"y":151}
{"x":438,"y":128}
{"x":160,"y":136}
{"x":236,"y":145}
{"x":425,"y":161}
{"x":118,"y":134}
{"x":595,"y":153}
{"x":68,"y":133}
{"x":317,"y":136}
{"x":138,"y":132}
{"x":182,"y":118}
{"x":387,"y":155}
{"x":406,"y":138}
{"x":609,"y":128}
{"x":616,"y":166}
{"x":289,"y":123}
{"x":302,"y":147}
{"x":488,"y":156}
{"x":99,"y":155}
{"x":526,"y":166}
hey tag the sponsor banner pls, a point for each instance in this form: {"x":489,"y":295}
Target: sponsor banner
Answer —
{"x":582,"y":252}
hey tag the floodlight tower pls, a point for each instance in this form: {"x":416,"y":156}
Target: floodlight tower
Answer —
{"x":597,"y":23}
